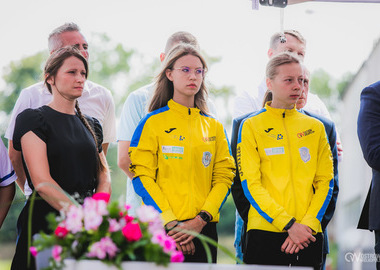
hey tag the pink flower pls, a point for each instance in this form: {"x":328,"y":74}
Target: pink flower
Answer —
{"x":33,"y":250}
{"x":156,"y":227}
{"x":91,"y":205}
{"x":177,"y":256}
{"x":127,"y":207}
{"x":164,"y":241}
{"x":128,"y":218}
{"x":74,"y":219}
{"x":57,"y":250}
{"x":92,"y":220}
{"x":93,"y":213}
{"x":61,"y":231}
{"x":168,"y":244}
{"x":114,"y":226}
{"x":102,"y":248}
{"x":132,"y":231}
{"x":102,"y":196}
{"x":147,"y":213}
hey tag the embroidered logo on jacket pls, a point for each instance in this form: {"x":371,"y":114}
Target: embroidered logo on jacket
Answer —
{"x":170,"y":130}
{"x":305,"y":133}
{"x":279,"y":137}
{"x":171,"y":157}
{"x":206,"y":159}
{"x":268,"y":130}
{"x":209,"y":139}
{"x":274,"y":151}
{"x":168,"y":149}
{"x":305,"y":154}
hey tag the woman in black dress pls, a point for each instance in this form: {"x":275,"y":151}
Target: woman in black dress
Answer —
{"x":61,"y":148}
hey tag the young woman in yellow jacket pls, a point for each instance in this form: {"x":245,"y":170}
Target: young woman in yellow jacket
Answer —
{"x":286,"y":169}
{"x":180,"y":155}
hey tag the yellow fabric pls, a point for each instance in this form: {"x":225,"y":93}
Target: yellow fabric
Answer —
{"x":170,"y":153}
{"x":282,"y":154}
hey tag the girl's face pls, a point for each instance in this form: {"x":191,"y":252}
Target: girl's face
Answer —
{"x":70,"y":78}
{"x":286,"y":86}
{"x":187,"y":76}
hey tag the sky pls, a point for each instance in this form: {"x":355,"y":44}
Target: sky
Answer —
{"x":339,"y":36}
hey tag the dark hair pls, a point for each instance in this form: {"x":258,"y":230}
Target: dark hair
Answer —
{"x":53,"y":64}
{"x":164,"y":88}
{"x":56,"y":59}
{"x":267,"y":97}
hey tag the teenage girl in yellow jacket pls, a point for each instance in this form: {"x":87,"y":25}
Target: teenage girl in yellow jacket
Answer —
{"x":286,"y":170}
{"x":180,"y":155}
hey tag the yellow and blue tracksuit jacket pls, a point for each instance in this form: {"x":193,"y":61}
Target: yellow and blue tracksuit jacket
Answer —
{"x":182,"y":162}
{"x":286,"y":168}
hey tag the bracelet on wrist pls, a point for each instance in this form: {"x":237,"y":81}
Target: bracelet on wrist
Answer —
{"x":204,"y":216}
{"x":199,"y":218}
{"x":290,"y":224}
{"x":169,"y":229}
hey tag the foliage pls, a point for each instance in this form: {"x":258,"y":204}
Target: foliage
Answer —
{"x":106,"y":232}
{"x":328,"y":88}
{"x":19,"y":75}
{"x":226,"y":225}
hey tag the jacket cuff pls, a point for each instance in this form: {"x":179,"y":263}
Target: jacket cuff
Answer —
{"x":211,"y":209}
{"x":312,"y":222}
{"x":281,"y":220}
{"x":168,"y":216}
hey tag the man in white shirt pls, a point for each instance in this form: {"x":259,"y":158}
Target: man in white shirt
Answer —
{"x":7,"y":185}
{"x":96,"y":101}
{"x":250,"y":101}
{"x":135,"y":108}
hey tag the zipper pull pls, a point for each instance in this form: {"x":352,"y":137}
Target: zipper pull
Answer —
{"x":189,"y":111}
{"x":283,"y":114}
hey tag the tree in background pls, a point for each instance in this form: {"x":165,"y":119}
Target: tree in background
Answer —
{"x":328,"y":88}
{"x":119,"y":69}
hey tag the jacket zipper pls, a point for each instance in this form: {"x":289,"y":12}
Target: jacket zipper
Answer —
{"x":291,"y":157}
{"x":191,"y":188}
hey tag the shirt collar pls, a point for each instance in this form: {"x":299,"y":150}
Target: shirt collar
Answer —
{"x":182,"y":109}
{"x":280,"y":112}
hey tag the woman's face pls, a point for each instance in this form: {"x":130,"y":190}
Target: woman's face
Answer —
{"x":70,"y":78}
{"x":187,"y":76}
{"x":286,"y":86}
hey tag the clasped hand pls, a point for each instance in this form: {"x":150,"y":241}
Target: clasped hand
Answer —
{"x":184,"y":241}
{"x":299,"y":238}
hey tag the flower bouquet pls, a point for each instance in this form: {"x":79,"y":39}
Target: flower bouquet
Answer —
{"x":100,"y":231}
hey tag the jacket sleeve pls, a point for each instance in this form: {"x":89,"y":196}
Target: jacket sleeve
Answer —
{"x":323,"y":184}
{"x":369,"y":126}
{"x":222,"y":175}
{"x":241,"y":202}
{"x":248,"y":159}
{"x":143,"y":154}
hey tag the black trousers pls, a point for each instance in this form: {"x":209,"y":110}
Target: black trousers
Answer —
{"x":200,"y":252}
{"x":264,"y":248}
